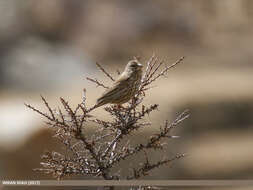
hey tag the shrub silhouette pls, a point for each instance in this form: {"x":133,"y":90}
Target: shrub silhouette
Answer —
{"x":96,"y":155}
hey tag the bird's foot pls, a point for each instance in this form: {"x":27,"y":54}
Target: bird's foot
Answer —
{"x":118,"y":107}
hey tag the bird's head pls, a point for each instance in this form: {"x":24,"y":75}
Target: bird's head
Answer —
{"x":134,"y":65}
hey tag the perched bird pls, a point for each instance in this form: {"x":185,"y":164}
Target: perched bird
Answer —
{"x":125,"y":87}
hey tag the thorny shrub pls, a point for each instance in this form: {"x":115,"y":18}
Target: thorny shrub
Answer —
{"x":96,"y":155}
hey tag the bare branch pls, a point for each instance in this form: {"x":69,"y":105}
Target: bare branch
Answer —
{"x":97,"y":82}
{"x":48,"y":107}
{"x":166,"y":70}
{"x":38,"y":111}
{"x":147,"y":167}
{"x":155,"y":69}
{"x":98,"y":153}
{"x":70,"y":112}
{"x":104,"y":71}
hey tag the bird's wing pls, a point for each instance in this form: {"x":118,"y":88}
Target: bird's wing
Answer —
{"x":118,"y":86}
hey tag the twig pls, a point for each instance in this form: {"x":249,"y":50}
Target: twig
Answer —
{"x":166,"y":70}
{"x":103,"y":70}
{"x":38,"y":111}
{"x":50,"y":110}
{"x":97,"y":82}
{"x":147,"y":167}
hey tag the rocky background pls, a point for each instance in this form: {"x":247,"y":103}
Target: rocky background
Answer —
{"x":49,"y":47}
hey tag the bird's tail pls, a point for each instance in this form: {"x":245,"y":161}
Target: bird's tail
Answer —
{"x":93,"y":107}
{"x":98,"y":104}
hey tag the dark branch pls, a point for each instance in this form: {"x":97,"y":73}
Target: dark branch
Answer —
{"x":97,"y":82}
{"x":104,"y":71}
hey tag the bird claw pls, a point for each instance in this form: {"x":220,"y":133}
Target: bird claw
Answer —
{"x":118,"y":106}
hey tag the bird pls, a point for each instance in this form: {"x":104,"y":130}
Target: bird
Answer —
{"x":125,"y":87}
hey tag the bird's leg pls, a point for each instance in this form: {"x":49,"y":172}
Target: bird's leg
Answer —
{"x":118,"y":106}
{"x":134,"y":100}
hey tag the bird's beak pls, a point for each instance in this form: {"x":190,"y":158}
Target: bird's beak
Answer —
{"x":140,"y":65}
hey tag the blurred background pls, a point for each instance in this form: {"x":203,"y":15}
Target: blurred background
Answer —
{"x":50,"y":47}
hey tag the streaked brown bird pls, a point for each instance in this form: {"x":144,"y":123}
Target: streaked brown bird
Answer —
{"x":125,"y":87}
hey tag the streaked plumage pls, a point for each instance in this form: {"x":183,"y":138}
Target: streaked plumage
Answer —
{"x":125,"y":87}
